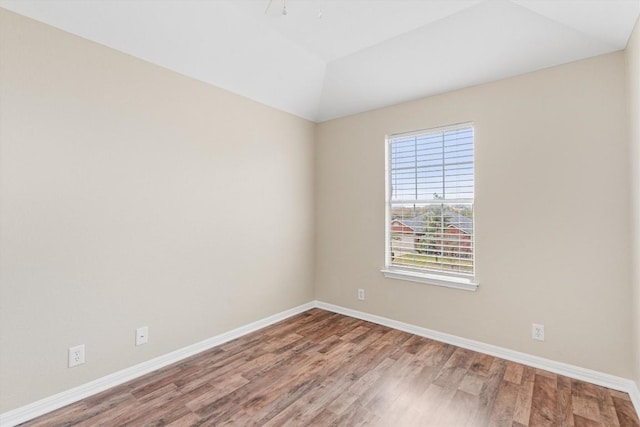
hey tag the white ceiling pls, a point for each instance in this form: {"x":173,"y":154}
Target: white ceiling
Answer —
{"x":359,"y":55}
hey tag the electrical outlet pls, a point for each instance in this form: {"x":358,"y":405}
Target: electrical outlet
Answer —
{"x":76,"y":355}
{"x":142,"y":335}
{"x":537,"y":332}
{"x":361,"y":294}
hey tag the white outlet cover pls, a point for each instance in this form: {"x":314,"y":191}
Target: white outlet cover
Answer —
{"x":537,"y":332}
{"x":76,"y":355}
{"x":142,"y":335}
{"x":361,"y":294}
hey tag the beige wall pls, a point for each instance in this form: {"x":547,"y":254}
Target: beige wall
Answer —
{"x":552,"y":215}
{"x":134,"y":196}
{"x":632,"y":55}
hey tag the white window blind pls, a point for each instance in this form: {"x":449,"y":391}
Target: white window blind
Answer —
{"x":430,"y":225}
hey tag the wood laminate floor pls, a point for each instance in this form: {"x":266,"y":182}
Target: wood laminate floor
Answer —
{"x":320,"y":369}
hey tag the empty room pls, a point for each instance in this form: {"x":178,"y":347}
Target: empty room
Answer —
{"x":319,"y":212}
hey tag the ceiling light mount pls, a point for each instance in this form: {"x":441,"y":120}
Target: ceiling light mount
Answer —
{"x":275,"y":11}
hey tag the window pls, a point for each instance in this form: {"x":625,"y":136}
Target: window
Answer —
{"x":430,"y":196}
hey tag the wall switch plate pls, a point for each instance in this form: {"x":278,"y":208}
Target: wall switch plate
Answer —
{"x":537,"y":332}
{"x":361,"y":294}
{"x":76,"y":355}
{"x":142,"y":335}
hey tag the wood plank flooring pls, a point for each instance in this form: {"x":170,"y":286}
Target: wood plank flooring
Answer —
{"x":325,"y":369}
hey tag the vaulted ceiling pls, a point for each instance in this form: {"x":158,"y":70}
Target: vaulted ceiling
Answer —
{"x":325,"y":59}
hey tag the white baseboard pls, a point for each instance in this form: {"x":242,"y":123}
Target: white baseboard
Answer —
{"x":576,"y":372}
{"x":634,"y":394}
{"x":40,"y":407}
{"x":51,"y":403}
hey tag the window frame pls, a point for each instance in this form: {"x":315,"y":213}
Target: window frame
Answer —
{"x":433,"y":277}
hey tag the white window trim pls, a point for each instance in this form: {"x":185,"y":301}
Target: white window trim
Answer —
{"x":455,"y":282}
{"x":467,"y":283}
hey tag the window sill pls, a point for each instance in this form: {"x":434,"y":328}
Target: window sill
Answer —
{"x":432,"y":279}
